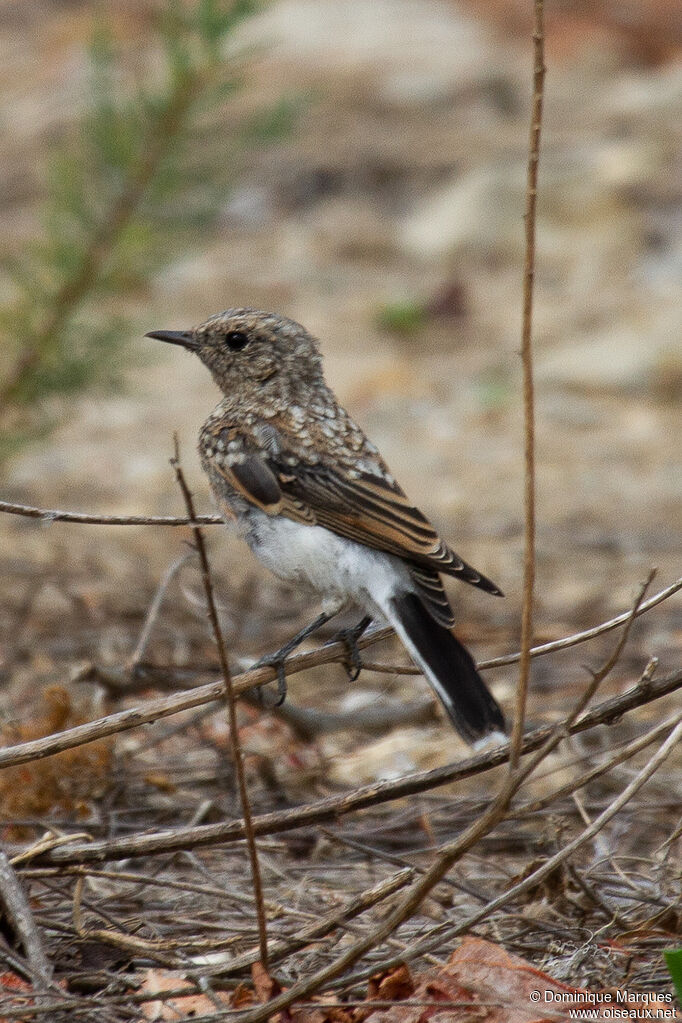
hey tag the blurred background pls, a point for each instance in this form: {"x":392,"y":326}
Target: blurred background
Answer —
{"x":359,"y":167}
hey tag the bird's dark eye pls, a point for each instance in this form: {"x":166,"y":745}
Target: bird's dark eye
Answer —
{"x":236,"y":340}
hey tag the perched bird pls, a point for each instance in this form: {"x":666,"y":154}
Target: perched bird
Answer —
{"x":318,"y":505}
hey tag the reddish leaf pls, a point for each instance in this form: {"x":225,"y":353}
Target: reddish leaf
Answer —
{"x":482,"y":981}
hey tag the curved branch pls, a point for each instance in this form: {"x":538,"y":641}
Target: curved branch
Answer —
{"x":332,"y":808}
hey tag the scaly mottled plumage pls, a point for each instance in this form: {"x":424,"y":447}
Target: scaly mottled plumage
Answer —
{"x":301,"y":479}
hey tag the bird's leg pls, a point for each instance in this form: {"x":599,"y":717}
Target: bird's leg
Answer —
{"x":350,"y":637}
{"x":277,"y":659}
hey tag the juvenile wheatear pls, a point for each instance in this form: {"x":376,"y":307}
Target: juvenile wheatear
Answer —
{"x":318,"y":505}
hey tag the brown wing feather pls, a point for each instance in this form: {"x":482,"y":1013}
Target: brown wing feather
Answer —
{"x":369,"y":509}
{"x":376,"y":512}
{"x":257,"y":483}
{"x":430,"y":588}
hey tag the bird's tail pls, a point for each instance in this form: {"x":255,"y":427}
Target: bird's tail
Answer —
{"x":448,"y":666}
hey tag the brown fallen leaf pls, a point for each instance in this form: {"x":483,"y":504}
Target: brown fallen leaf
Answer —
{"x":13,"y":992}
{"x":242,"y":996}
{"x":179,"y":1006}
{"x":392,"y":986}
{"x":483,"y":981}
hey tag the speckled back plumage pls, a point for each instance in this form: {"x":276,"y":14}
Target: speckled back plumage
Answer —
{"x":280,"y":440}
{"x":317,"y":503}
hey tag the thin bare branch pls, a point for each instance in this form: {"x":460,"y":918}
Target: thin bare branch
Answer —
{"x":92,"y":519}
{"x":19,"y":916}
{"x":281,"y":950}
{"x":451,"y":852}
{"x":444,"y":933}
{"x":330,"y":809}
{"x":231,"y":701}
{"x":528,"y":403}
{"x":87,"y":518}
{"x":586,"y":634}
{"x":617,"y":756}
{"x":154,"y":710}
{"x":597,"y":825}
{"x":612,"y":661}
{"x":311,"y":983}
{"x":562,"y":728}
{"x":154,"y":609}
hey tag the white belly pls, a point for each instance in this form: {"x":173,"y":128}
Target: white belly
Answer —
{"x":340,"y":570}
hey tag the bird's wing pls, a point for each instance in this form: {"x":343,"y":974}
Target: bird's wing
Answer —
{"x":359,"y":505}
{"x":430,"y":588}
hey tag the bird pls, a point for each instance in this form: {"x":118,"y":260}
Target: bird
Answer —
{"x":317,"y":504}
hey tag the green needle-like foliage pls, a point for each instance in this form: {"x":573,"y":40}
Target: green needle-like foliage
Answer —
{"x":126,"y":190}
{"x":673,"y":959}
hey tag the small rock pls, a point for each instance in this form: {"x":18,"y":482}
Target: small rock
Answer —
{"x":482,"y":207}
{"x":620,"y":360}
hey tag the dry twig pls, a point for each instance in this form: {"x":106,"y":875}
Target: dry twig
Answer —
{"x":445,"y":932}
{"x":92,"y":519}
{"x":597,"y":825}
{"x":20,"y":917}
{"x":330,"y":809}
{"x":231,"y":706}
{"x":281,"y":950}
{"x":528,"y":405}
{"x":154,"y":710}
{"x":449,"y":853}
{"x":153,"y":613}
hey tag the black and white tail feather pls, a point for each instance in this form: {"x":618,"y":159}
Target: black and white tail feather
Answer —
{"x":448,"y":666}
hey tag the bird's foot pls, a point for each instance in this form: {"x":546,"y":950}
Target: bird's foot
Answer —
{"x":350,"y":637}
{"x":275,"y":661}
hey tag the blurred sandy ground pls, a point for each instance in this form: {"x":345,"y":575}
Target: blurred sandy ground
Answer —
{"x":404,"y":179}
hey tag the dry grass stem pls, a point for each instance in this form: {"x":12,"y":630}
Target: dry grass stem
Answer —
{"x":280,"y":950}
{"x":619,"y":756}
{"x":562,"y":729}
{"x":313,"y":983}
{"x":444,"y":933}
{"x":154,"y":611}
{"x":497,"y":810}
{"x":586,"y":634}
{"x":597,"y":825}
{"x":129,"y":894}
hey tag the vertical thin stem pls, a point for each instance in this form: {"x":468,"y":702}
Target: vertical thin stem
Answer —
{"x":231,"y":706}
{"x":528,"y":406}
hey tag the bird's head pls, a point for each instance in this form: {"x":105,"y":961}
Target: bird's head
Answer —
{"x":248,"y":351}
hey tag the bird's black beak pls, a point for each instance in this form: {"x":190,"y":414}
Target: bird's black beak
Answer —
{"x":184,"y":338}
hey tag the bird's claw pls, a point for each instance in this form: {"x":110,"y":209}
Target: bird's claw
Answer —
{"x":350,"y":637}
{"x":353,"y":664}
{"x":281,"y":684}
{"x":275,"y":661}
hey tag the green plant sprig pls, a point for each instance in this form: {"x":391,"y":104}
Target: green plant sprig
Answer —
{"x":124,"y":189}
